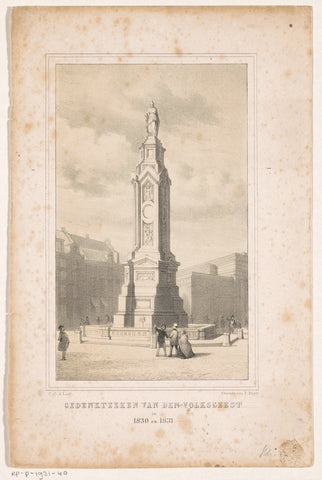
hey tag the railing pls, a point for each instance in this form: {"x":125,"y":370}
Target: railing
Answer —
{"x":201,"y":332}
{"x":195,"y":332}
{"x":103,"y":331}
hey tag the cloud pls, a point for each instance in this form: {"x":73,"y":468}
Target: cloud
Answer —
{"x":100,"y":126}
{"x":121,"y":110}
{"x":90,"y":184}
{"x":95,"y":166}
{"x":207,"y":182}
{"x":100,"y":217}
{"x":94,"y":176}
{"x":208,"y":198}
{"x":176,"y":110}
{"x":185,"y":170}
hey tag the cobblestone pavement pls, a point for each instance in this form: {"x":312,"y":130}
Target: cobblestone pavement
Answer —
{"x":112,"y":362}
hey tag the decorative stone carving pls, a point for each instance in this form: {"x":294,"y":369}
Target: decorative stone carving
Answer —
{"x":145,"y":276}
{"x":147,"y":234}
{"x":148,"y":192}
{"x":148,"y":212}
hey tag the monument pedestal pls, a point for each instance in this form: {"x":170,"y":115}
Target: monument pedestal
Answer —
{"x":150,"y":296}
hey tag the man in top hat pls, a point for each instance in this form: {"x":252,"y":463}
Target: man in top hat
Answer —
{"x":174,"y":339}
{"x":63,"y":341}
{"x":162,"y":335}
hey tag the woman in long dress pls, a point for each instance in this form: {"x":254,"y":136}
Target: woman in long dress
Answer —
{"x":185,"y":348}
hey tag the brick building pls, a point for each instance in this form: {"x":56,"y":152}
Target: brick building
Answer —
{"x":88,"y":279}
{"x":215,"y":290}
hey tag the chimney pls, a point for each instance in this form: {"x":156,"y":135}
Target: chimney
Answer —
{"x":213,"y":269}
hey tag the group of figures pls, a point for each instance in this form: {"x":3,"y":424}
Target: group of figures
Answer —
{"x":108,"y":323}
{"x":179,"y":344}
{"x":108,"y":319}
{"x":230,"y":323}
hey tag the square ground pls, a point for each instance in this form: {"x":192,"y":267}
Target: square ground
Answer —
{"x":113,"y":362}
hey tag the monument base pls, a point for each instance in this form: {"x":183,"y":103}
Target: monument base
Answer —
{"x":144,"y":336}
{"x":148,"y":320}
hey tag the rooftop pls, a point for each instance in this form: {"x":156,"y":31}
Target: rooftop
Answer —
{"x":91,"y":249}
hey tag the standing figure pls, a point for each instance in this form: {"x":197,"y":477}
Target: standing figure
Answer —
{"x":86,"y":322}
{"x":83,"y":327}
{"x":162,"y":335}
{"x":63,"y":341}
{"x":174,"y":339}
{"x":233,"y":323}
{"x":228,"y":325}
{"x":185,"y":348}
{"x":148,"y":192}
{"x":81,"y":330}
{"x":152,"y":121}
{"x":108,"y":323}
{"x":228,"y":330}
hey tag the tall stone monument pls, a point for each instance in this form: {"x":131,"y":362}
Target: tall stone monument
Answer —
{"x":150,"y":294}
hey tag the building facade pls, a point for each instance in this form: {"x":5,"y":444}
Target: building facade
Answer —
{"x":214,"y":291}
{"x":88,"y":279}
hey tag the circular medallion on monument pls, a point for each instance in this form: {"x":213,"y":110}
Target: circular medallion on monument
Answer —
{"x":148,"y":211}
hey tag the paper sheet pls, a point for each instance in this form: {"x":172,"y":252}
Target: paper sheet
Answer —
{"x":263,"y":419}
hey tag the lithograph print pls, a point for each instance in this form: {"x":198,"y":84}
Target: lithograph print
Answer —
{"x":159,"y":292}
{"x":151,"y":219}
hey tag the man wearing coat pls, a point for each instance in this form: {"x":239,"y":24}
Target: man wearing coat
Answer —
{"x":162,"y":335}
{"x":63,"y":341}
{"x":174,"y":339}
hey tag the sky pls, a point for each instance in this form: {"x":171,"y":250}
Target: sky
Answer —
{"x":100,"y":125}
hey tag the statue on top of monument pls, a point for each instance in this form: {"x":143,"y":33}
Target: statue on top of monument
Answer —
{"x":152,"y":120}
